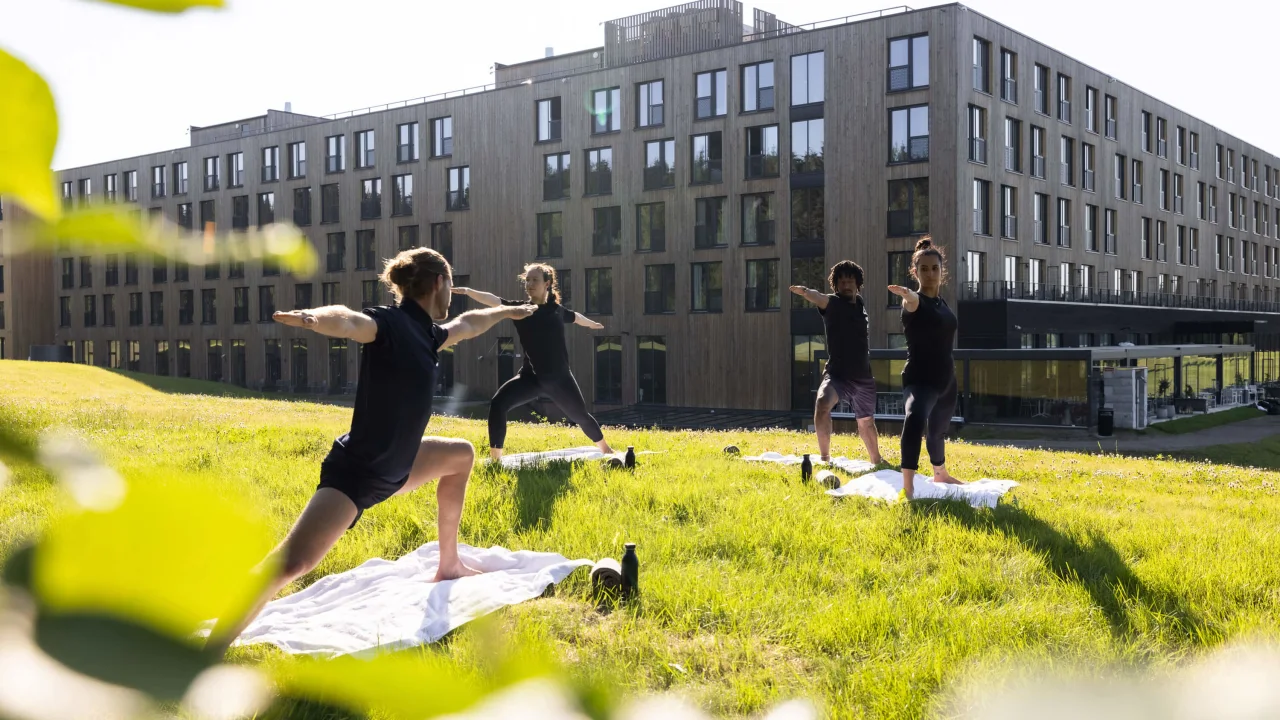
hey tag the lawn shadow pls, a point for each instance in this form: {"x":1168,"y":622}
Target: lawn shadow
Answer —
{"x":1096,"y":566}
{"x":537,"y":489}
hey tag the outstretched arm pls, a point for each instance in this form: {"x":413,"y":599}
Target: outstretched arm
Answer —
{"x":586,"y":322}
{"x":334,"y":321}
{"x":476,"y":322}
{"x":484,"y":298}
{"x":812,"y":296}
{"x":910,"y":299}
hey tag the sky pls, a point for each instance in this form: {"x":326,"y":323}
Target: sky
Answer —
{"x":128,"y":82}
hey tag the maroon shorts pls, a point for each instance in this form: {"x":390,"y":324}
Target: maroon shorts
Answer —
{"x":859,"y":393}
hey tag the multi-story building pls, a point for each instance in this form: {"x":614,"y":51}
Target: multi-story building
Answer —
{"x":680,"y":177}
{"x":26,"y":288}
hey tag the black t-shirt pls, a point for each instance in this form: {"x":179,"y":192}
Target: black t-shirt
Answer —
{"x":931,"y":331}
{"x":393,"y":399}
{"x":542,"y":337}
{"x":848,"y":338}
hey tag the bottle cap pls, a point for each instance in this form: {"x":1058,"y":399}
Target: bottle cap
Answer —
{"x":630,"y":546}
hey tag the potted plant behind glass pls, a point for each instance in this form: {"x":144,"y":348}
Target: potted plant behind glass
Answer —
{"x":1164,"y":411}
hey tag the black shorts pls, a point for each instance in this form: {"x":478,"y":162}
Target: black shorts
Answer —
{"x":363,"y":489}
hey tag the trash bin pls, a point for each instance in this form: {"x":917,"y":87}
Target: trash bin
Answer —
{"x":1106,"y":421}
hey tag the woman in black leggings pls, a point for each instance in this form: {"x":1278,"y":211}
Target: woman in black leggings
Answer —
{"x":929,"y":377}
{"x":545,"y":372}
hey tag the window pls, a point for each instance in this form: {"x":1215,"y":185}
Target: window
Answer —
{"x":266,"y":208}
{"x":808,"y":214}
{"x":297,"y":160}
{"x":1231,"y":210}
{"x":108,"y":311}
{"x":762,"y":151}
{"x":899,"y":274}
{"x":1180,"y":245}
{"x":659,"y":289}
{"x":1162,"y":137}
{"x":272,"y":371}
{"x":606,"y":236}
{"x":240,"y":212}
{"x":135,"y":309}
{"x":1064,"y":223}
{"x":762,"y":285}
{"x":1008,"y":76}
{"x":371,"y":199}
{"x":112,"y":263}
{"x":1177,"y":190}
{"x":908,"y":207}
{"x":336,"y":252}
{"x":1135,"y":192}
{"x":710,"y":94}
{"x":555,"y":176}
{"x":709,"y":223}
{"x":401,"y":195}
{"x":1120,"y":163}
{"x":369,"y":293}
{"x":159,"y":271}
{"x":599,"y":175}
{"x":909,"y":134}
{"x":365,"y":150}
{"x":86,"y":191}
{"x":1091,"y":228}
{"x":908,"y":63}
{"x":330,"y":293}
{"x":807,"y":81}
{"x":757,"y":219}
{"x":67,"y":194}
{"x":235,"y":168}
{"x":1201,"y":204}
{"x":1066,"y":161}
{"x":1064,"y":98}
{"x":179,"y":178}
{"x":564,"y":284}
{"x":809,"y":272}
{"x":608,"y":364}
{"x":1038,"y":151}
{"x":757,"y":87}
{"x":550,"y":235}
{"x":707,"y":287}
{"x":270,"y":164}
{"x":1213,"y":203}
{"x":328,"y":204}
{"x":209,"y":306}
{"x":335,"y":154}
{"x":1147,"y":249}
{"x":1013,"y":145}
{"x":366,"y":250}
{"x":213,"y":354}
{"x":1195,"y":151}
{"x":184,"y":216}
{"x":1009,"y":212}
{"x":981,"y":207}
{"x":707,"y":159}
{"x":157,"y":308}
{"x":302,"y":206}
{"x":186,"y":307}
{"x":458,"y":196}
{"x":240,"y":305}
{"x":651,"y":227}
{"x":606,"y":111}
{"x":442,"y":136}
{"x":1040,"y":218}
{"x":86,"y":272}
{"x":1091,"y":109}
{"x":131,"y":185}
{"x":649,"y":104}
{"x":90,"y":311}
{"x":1231,"y":166}
{"x":549,"y":119}
{"x":407,"y":142}
{"x":130,"y":268}
{"x":599,"y":291}
{"x":157,"y":182}
{"x":441,"y":239}
{"x":64,"y":312}
{"x":659,"y":169}
{"x":1110,"y":235}
{"x":807,"y":146}
{"x":982,"y":65}
{"x":977,"y":134}
{"x":1041,"y":89}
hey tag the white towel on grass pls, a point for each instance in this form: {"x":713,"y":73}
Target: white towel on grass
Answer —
{"x":852,"y":466}
{"x":386,"y":605}
{"x":587,"y":452}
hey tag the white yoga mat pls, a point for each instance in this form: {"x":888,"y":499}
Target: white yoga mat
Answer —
{"x":529,"y":459}
{"x":385,"y":605}
{"x":886,"y":484}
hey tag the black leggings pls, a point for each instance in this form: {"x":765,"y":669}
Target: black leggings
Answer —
{"x":931,"y":405}
{"x":525,"y":388}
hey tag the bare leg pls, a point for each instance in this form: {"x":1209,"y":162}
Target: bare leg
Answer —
{"x":940,"y":475}
{"x":495,"y":453}
{"x":867,"y":431}
{"x":908,"y":482}
{"x":449,"y":461}
{"x":827,"y":399}
{"x":324,"y":520}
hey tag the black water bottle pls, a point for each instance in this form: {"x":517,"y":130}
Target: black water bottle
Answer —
{"x":806,"y":468}
{"x":630,"y":571}
{"x":631,"y":456}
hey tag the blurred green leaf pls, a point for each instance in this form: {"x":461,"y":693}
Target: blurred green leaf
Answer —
{"x":169,"y":6}
{"x":169,"y":556}
{"x":399,"y":686}
{"x":28,"y":135}
{"x":122,"y":653}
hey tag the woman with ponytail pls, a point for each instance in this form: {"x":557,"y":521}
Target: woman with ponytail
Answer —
{"x":545,"y":372}
{"x":928,"y":378}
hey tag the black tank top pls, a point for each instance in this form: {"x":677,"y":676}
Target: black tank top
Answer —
{"x":848,"y":341}
{"x":542,"y":337}
{"x":931,"y":331}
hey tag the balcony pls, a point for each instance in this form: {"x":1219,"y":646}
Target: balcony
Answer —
{"x":555,"y":187}
{"x":763,"y":166}
{"x":1008,"y":290}
{"x":457,"y":200}
{"x":659,"y":176}
{"x":707,"y":171}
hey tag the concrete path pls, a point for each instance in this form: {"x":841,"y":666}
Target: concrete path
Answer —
{"x":1154,"y":441}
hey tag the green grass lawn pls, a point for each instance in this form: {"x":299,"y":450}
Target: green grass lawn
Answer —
{"x":1208,"y":420}
{"x":759,"y":587}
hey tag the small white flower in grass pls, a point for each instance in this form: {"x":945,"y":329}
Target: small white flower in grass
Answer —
{"x":93,"y":485}
{"x":227,"y":692}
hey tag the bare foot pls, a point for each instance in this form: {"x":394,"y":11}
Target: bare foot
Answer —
{"x":826,"y":458}
{"x":454,"y":571}
{"x":495,"y":453}
{"x":945,"y":477}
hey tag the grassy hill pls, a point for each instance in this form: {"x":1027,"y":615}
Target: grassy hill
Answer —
{"x":755,"y":587}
